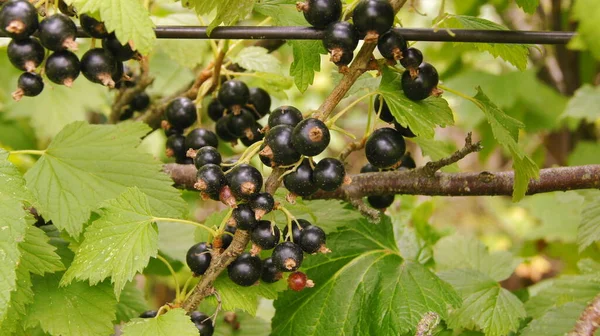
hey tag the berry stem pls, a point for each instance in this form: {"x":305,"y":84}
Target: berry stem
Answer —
{"x":333,"y":119}
{"x":246,"y":156}
{"x":185,"y":221}
{"x":28,"y":152}
{"x":290,"y":218}
{"x":183,"y":293}
{"x":173,"y":274}
{"x":224,"y":221}
{"x":343,"y":131}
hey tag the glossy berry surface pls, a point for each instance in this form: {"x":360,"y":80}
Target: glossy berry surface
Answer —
{"x":253,"y":135}
{"x":408,"y":162}
{"x":420,"y":87}
{"x":18,"y":19}
{"x":385,"y":147}
{"x":148,"y":314}
{"x":344,"y":59}
{"x":412,"y":58}
{"x":300,"y":181}
{"x":201,"y":137}
{"x":203,"y":323}
{"x":234,"y":93}
{"x":62,"y":67}
{"x":381,"y":201}
{"x":265,"y":235}
{"x":312,"y":238}
{"x":285,"y":115}
{"x":373,"y":16}
{"x":210,"y":180}
{"x":26,"y":54}
{"x":311,"y":137}
{"x":215,"y":110}
{"x":261,"y":100}
{"x":392,"y":45}
{"x":240,"y":124}
{"x":58,"y":32}
{"x":223,"y":131}
{"x":245,"y":181}
{"x":93,"y":27}
{"x":244,"y":217}
{"x":405,"y":131}
{"x":98,"y":65}
{"x":297,"y":226}
{"x":140,"y":101}
{"x":385,"y":114}
{"x":29,"y":84}
{"x":340,"y":39}
{"x":329,"y":174}
{"x":287,"y":256}
{"x":262,"y":203}
{"x":122,"y":52}
{"x":280,"y":149}
{"x":207,"y":155}
{"x":245,"y":270}
{"x":198,"y":258}
{"x":227,"y":238}
{"x":176,"y":146}
{"x":297,"y":281}
{"x":181,"y":113}
{"x":320,"y":13}
{"x":270,"y":273}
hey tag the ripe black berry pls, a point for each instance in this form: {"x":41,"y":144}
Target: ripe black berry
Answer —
{"x":93,"y":27}
{"x":223,"y":131}
{"x":312,"y":239}
{"x":126,"y":114}
{"x":381,"y":201}
{"x":287,"y":256}
{"x":203,"y":323}
{"x":234,"y":93}
{"x":254,"y":135}
{"x":227,"y":238}
{"x":244,"y":217}
{"x":262,"y":203}
{"x":176,"y":146}
{"x":198,"y":258}
{"x":245,"y":181}
{"x":210,"y":180}
{"x":240,"y":124}
{"x":201,"y":137}
{"x":30,"y":84}
{"x":408,"y":162}
{"x":270,"y":273}
{"x":68,"y":10}
{"x":285,"y":115}
{"x":320,"y":13}
{"x":207,"y":155}
{"x":405,"y":131}
{"x":261,"y":101}
{"x":245,"y":270}
{"x":311,"y":137}
{"x":26,"y":54}
{"x":58,"y":32}
{"x":62,"y":67}
{"x":297,"y":226}
{"x":340,"y":38}
{"x":385,"y":147}
{"x":300,"y":182}
{"x":329,"y":174}
{"x":215,"y":110}
{"x":18,"y":19}
{"x":279,"y":147}
{"x":344,"y":59}
{"x":266,"y":160}
{"x":297,"y":281}
{"x":411,"y":58}
{"x":369,"y":168}
{"x":181,"y":113}
{"x":265,"y":235}
{"x":98,"y":66}
{"x":420,"y":87}
{"x":140,"y":102}
{"x":148,"y":314}
{"x":120,"y":52}
{"x":373,"y":18}
{"x":386,"y":114}
{"x":392,"y":45}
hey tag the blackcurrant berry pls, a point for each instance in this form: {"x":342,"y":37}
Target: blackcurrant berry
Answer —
{"x":181,"y":113}
{"x":206,"y":155}
{"x":320,"y":13}
{"x":287,"y":256}
{"x":245,"y":181}
{"x":369,"y":168}
{"x":201,"y":137}
{"x":285,"y":115}
{"x":240,"y":124}
{"x":30,"y":84}
{"x":198,"y":258}
{"x":265,"y":235}
{"x":420,"y":87}
{"x":311,"y":137}
{"x":297,"y":281}
{"x":215,"y":110}
{"x":62,"y":67}
{"x":234,"y":93}
{"x":411,"y":58}
{"x":140,"y":102}
{"x":405,"y":131}
{"x":26,"y":54}
{"x":18,"y":19}
{"x":262,"y":155}
{"x":245,"y":270}
{"x":227,"y":238}
{"x":344,"y":59}
{"x":297,"y":226}
{"x":98,"y":66}
{"x":58,"y":32}
{"x":93,"y":27}
{"x":381,"y":201}
{"x":148,"y":314}
{"x":385,"y":114}
{"x":373,"y":18}
{"x":329,"y":174}
{"x":210,"y":180}
{"x":261,"y":101}
{"x":184,"y":160}
{"x":176,"y":146}
{"x":121,"y":52}
{"x":126,"y":114}
{"x":254,"y":135}
{"x":262,"y":203}
{"x":244,"y":217}
{"x":203,"y":323}
{"x":279,"y":147}
{"x":68,"y":10}
{"x":312,"y":239}
{"x":171,"y":131}
{"x":223,"y":131}
{"x":408,"y":162}
{"x":300,"y":181}
{"x":270,"y":273}
{"x":340,"y":38}
{"x":385,"y":147}
{"x":392,"y":45}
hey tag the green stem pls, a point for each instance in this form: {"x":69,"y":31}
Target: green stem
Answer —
{"x":290,"y":218}
{"x":224,"y":221}
{"x":28,"y":152}
{"x":370,"y":118}
{"x":347,"y":108}
{"x":184,"y":221}
{"x":343,"y":131}
{"x":183,"y":291}
{"x":462,"y":95}
{"x":172,"y":271}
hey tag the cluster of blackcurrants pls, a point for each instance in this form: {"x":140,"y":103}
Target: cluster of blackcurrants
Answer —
{"x":57,"y":33}
{"x":202,"y":321}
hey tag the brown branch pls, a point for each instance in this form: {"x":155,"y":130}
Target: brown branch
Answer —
{"x":126,"y":95}
{"x":352,"y":147}
{"x":432,"y":167}
{"x":589,"y":321}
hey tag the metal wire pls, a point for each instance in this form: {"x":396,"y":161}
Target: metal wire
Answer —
{"x":411,"y":34}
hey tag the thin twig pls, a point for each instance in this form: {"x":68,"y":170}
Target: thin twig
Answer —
{"x":126,"y":95}
{"x":352,"y":147}
{"x":432,"y":167}
{"x":589,"y":321}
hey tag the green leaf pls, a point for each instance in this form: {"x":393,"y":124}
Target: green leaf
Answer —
{"x":423,"y":116}
{"x":585,"y":152}
{"x":175,"y":239}
{"x":131,"y":303}
{"x":186,"y":52}
{"x":119,"y":244}
{"x":13,"y":183}
{"x":19,"y":299}
{"x":557,"y":321}
{"x":560,"y":291}
{"x":528,"y":6}
{"x":230,"y":11}
{"x":200,"y":6}
{"x":249,"y":326}
{"x":38,"y":256}
{"x":589,"y":228}
{"x":77,"y":309}
{"x":584,"y":103}
{"x":588,"y":14}
{"x":516,"y":54}
{"x":174,"y":322}
{"x":257,"y":59}
{"x":87,"y":164}
{"x":363,"y":287}
{"x":558,"y":215}
{"x":437,"y":150}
